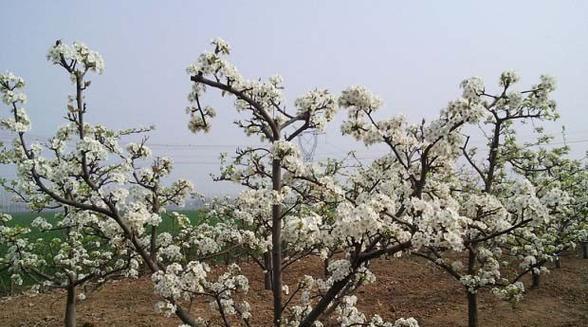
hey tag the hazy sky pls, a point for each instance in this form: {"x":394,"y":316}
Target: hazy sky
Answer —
{"x":411,"y":53}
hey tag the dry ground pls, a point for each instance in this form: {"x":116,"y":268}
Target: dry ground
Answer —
{"x":405,"y":287}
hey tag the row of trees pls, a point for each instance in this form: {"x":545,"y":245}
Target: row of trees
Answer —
{"x":487,"y":215}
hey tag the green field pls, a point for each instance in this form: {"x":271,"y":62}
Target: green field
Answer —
{"x":167,"y":224}
{"x":25,"y":218}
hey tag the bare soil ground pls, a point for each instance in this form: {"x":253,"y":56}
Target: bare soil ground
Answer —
{"x":406,"y":287}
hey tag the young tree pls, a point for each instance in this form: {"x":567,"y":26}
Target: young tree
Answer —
{"x":269,"y":120}
{"x":83,"y":169}
{"x":562,"y":185}
{"x":76,"y":247}
{"x":68,"y":254}
{"x":494,"y":201}
{"x":152,"y":190}
{"x":396,"y":204}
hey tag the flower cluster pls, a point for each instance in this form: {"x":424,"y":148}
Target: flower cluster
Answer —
{"x":512,"y":293}
{"x":349,"y":315}
{"x":188,"y":282}
{"x":76,"y":56}
{"x":319,"y":105}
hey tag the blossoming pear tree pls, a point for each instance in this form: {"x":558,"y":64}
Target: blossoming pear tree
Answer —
{"x":68,"y":254}
{"x":84,"y":171}
{"x":261,"y":169}
{"x":561,"y":185}
{"x":150,"y":186}
{"x":374,"y":211}
{"x":491,"y":198}
{"x":415,"y":178}
{"x":75,"y":247}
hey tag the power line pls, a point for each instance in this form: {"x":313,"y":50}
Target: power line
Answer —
{"x":205,"y":163}
{"x":561,"y":143}
{"x":188,"y":145}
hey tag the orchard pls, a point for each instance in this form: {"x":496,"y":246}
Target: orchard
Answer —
{"x":486,"y":215}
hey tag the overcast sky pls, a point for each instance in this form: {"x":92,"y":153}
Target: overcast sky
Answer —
{"x":411,"y":53}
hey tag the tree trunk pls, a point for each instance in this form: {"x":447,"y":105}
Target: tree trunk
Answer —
{"x":557,"y":261}
{"x":184,"y":316}
{"x":153,"y":244}
{"x":536,"y":279}
{"x":277,"y":244}
{"x":267,"y":276}
{"x":70,"y":307}
{"x":472,"y":297}
{"x":472,"y":309}
{"x":585,"y":250}
{"x":153,"y":241}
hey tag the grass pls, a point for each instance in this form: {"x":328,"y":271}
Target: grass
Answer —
{"x":167,"y":224}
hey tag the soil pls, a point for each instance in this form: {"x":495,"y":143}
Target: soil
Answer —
{"x":406,"y":287}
